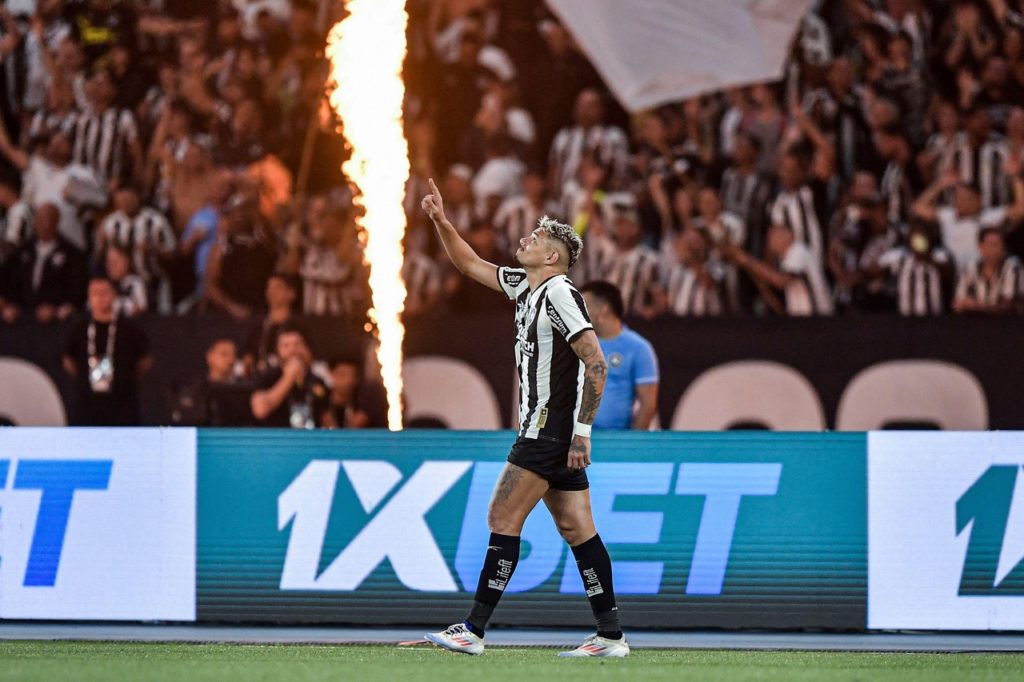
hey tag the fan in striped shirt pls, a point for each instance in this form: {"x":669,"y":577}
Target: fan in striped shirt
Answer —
{"x":517,"y":217}
{"x":992,"y":284}
{"x":132,"y":299}
{"x":635,"y":268}
{"x":422,"y":282}
{"x":106,"y":137}
{"x":798,"y":204}
{"x":795,"y":272}
{"x":146,"y":235}
{"x":921,"y":271}
{"x":589,"y":136}
{"x":694,"y":284}
{"x":978,"y":156}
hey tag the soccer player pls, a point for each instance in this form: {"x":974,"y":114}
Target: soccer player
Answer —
{"x":562,"y":374}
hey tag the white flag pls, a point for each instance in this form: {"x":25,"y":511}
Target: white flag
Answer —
{"x":651,"y":52}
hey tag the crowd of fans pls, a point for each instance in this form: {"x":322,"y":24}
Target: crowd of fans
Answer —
{"x":184,"y":151}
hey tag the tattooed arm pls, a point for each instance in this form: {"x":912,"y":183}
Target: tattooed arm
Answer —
{"x":589,"y":352}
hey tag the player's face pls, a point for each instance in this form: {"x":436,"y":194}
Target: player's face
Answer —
{"x":534,"y":249}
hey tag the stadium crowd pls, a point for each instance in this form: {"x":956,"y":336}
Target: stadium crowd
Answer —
{"x":184,"y":151}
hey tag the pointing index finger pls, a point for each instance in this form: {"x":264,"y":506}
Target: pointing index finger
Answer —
{"x":433,"y":187}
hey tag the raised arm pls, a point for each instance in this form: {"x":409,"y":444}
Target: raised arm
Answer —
{"x":461,"y":253}
{"x":588,"y":350}
{"x":924,"y":206}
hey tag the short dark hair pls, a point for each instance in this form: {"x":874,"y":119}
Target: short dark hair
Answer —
{"x":219,"y":340}
{"x":986,"y":231}
{"x":291,"y":328}
{"x":608,"y":293}
{"x":351,"y":359}
{"x":289,"y":280}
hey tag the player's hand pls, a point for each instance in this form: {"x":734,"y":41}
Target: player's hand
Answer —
{"x":433,"y":204}
{"x":579,"y":453}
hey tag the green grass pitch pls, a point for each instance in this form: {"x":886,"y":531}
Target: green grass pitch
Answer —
{"x":298,"y":663}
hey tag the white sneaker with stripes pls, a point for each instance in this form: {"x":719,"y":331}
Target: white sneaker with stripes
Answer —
{"x":457,"y":638}
{"x":599,"y":647}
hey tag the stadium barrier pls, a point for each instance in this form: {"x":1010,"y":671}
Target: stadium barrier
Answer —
{"x":846,"y":374}
{"x":887,"y":530}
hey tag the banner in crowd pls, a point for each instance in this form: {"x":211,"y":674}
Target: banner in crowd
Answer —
{"x":718,"y":530}
{"x":97,"y":524}
{"x":653,"y":52}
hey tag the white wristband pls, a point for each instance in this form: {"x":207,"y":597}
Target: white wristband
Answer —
{"x":582,"y":430}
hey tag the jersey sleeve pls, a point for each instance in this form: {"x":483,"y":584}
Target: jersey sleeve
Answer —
{"x":645,"y":369}
{"x":567,"y":311}
{"x":512,"y":281}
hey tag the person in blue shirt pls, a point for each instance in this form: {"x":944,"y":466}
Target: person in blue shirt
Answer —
{"x":632,"y":364}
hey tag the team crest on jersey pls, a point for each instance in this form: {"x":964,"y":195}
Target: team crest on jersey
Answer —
{"x":615,"y":359}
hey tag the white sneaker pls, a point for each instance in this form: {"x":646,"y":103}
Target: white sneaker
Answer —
{"x":457,"y":638}
{"x":599,"y":646}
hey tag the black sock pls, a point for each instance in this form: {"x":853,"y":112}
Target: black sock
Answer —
{"x":595,"y":568}
{"x":499,"y":564}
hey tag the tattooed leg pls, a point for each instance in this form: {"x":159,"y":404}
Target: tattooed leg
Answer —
{"x":516,"y":494}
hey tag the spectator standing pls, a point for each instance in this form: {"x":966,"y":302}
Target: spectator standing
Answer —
{"x":635,"y":268}
{"x":50,"y":177}
{"x":694,"y":284}
{"x":46,"y":277}
{"x":961,"y":223}
{"x":106,"y":355}
{"x":106,"y":136}
{"x":201,"y":233}
{"x":794,"y":271}
{"x":992,"y":284}
{"x":241,"y":261}
{"x":146,"y":236}
{"x":920,"y":269}
{"x":590,"y":136}
{"x":631,"y":393}
{"x":281,"y":292}
{"x":132,"y":299}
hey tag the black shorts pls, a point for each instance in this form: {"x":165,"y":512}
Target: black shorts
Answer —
{"x":548,"y":459}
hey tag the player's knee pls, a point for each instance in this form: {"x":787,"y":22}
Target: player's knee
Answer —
{"x":500,"y":521}
{"x":569,"y":529}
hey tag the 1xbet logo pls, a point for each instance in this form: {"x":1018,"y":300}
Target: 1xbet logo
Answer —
{"x":56,"y":482}
{"x":397,"y":531}
{"x":991,"y":568}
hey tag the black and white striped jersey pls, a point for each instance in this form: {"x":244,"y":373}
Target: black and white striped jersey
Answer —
{"x":143,"y":235}
{"x":1005,"y":288}
{"x":690,"y":294}
{"x":981,"y":166}
{"x":918,"y":280}
{"x":103,"y":141}
{"x":798,"y":209}
{"x":548,"y":319}
{"x":807,"y":291}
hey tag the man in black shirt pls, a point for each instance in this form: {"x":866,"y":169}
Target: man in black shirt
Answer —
{"x":46,"y":276}
{"x":289,"y":395}
{"x":106,"y":354}
{"x":355,"y":403}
